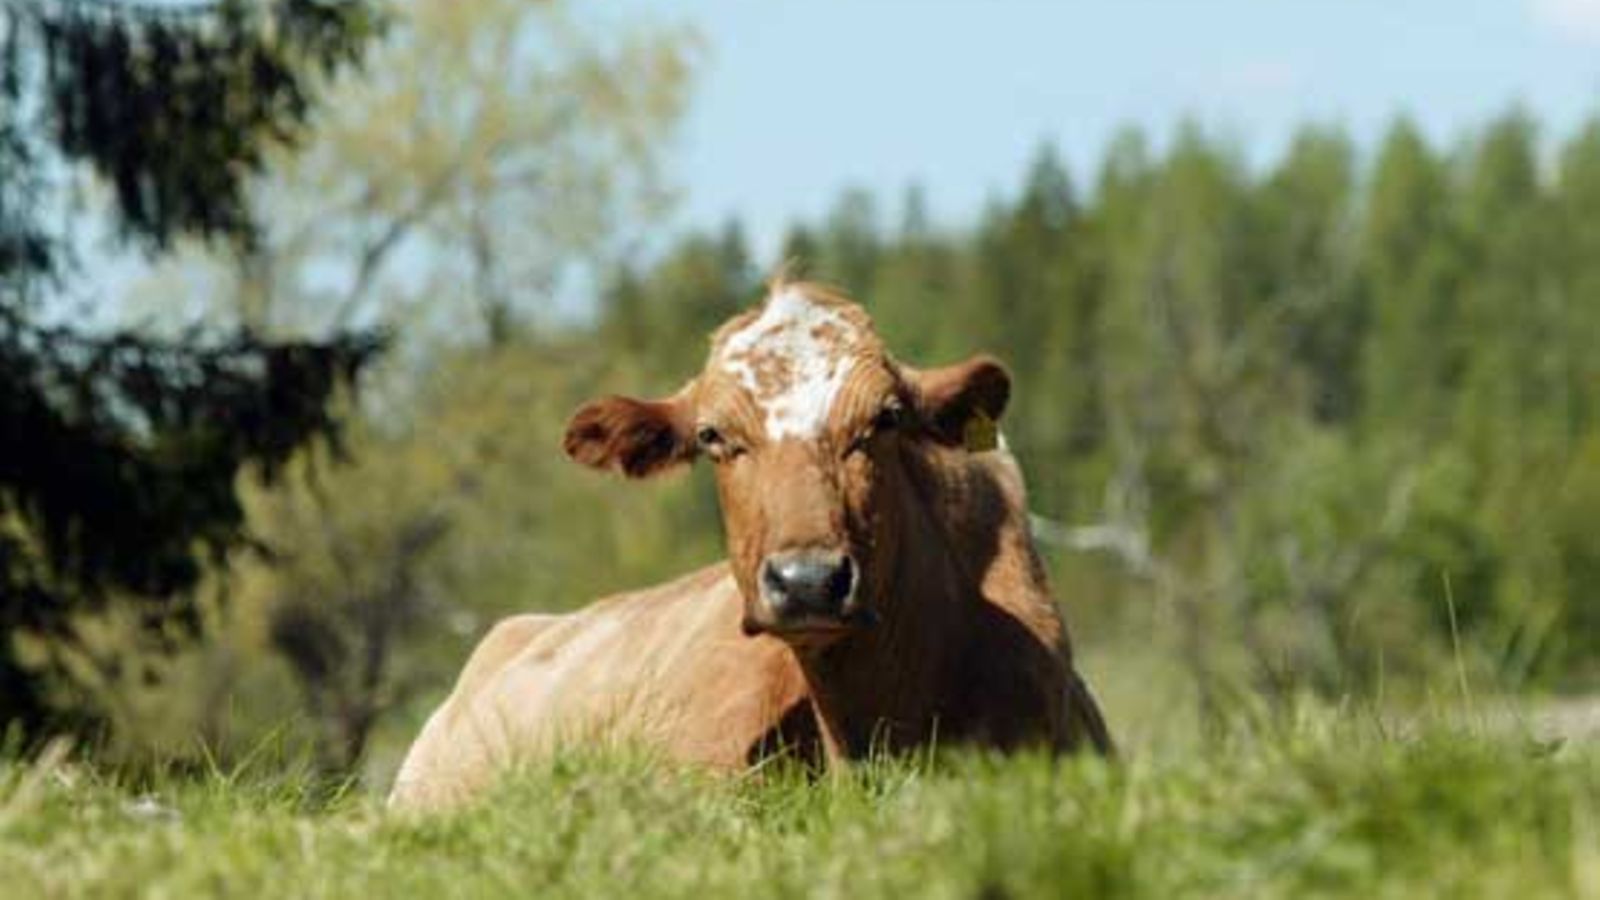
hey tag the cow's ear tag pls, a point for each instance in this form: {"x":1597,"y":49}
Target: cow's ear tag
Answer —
{"x":980,"y":433}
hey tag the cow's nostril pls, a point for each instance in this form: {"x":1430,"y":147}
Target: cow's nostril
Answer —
{"x":841,"y":581}
{"x":772,"y":579}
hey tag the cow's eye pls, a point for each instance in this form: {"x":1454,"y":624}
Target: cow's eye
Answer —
{"x":888,"y":419}
{"x":714,"y":445}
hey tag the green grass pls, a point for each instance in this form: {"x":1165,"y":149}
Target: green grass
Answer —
{"x":1310,"y":809}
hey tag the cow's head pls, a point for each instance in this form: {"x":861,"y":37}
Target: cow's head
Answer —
{"x":815,"y":432}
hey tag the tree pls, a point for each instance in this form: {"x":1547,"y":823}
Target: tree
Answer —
{"x":1512,"y":308}
{"x":1307,"y":228}
{"x":499,"y":153}
{"x":118,"y":472}
{"x":1577,"y":230}
{"x":1032,"y":267}
{"x":917,"y":283}
{"x":1411,"y":272}
{"x":500,"y":157}
{"x":850,"y":243}
{"x":701,"y":283}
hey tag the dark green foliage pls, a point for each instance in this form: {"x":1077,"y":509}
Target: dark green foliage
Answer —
{"x":119,"y":453}
{"x":172,"y":107}
{"x":1307,"y":228}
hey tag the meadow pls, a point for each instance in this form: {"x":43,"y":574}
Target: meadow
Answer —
{"x":1312,"y":449}
{"x":1322,"y":802}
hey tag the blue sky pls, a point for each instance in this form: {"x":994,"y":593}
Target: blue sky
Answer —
{"x":796,"y":101}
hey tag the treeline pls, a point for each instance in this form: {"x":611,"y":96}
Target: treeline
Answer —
{"x":1319,"y":423}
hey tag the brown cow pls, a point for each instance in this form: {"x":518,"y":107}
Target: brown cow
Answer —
{"x":882,"y":589}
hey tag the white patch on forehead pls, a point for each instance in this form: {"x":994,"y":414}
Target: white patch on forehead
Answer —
{"x":793,"y":359}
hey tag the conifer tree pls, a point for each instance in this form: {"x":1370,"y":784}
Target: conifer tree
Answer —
{"x":120,"y":452}
{"x":1411,"y":273}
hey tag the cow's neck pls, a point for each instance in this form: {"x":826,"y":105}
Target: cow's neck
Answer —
{"x":891,"y":686}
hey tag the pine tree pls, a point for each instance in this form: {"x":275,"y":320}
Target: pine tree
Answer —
{"x":1307,"y":227}
{"x":916,"y":283}
{"x":119,"y":463}
{"x":1577,"y":234}
{"x":849,"y":252}
{"x":1511,"y":315}
{"x":1411,"y":274}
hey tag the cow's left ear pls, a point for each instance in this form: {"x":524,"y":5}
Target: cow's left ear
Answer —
{"x":635,"y":437}
{"x":955,"y":402}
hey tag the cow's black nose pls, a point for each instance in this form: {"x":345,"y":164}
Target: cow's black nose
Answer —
{"x":808,"y":584}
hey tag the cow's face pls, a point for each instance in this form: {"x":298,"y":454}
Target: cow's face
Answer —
{"x":809,"y":423}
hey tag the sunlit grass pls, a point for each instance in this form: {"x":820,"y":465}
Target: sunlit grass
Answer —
{"x":1320,"y":805}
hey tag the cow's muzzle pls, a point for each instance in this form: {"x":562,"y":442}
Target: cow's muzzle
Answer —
{"x":807,"y":591}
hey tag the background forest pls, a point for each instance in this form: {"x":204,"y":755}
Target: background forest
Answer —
{"x":1325,"y":427}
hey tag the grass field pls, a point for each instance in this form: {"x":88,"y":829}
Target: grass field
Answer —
{"x":1321,"y":806}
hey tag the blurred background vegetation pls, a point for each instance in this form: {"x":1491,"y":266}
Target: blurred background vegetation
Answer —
{"x":1322,"y":427}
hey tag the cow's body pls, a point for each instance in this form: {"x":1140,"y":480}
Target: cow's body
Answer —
{"x":970,"y":648}
{"x":665,"y":667}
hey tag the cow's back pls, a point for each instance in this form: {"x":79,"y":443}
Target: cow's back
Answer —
{"x":665,"y":667}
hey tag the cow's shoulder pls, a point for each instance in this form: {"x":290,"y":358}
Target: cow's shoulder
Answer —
{"x":515,"y":638}
{"x":613,"y":636}
{"x":502,"y":643}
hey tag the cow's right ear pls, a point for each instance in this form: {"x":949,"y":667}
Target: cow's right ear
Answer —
{"x":635,"y":437}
